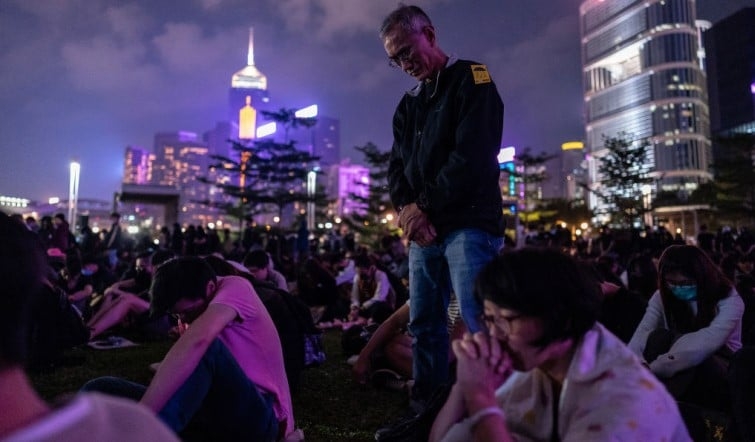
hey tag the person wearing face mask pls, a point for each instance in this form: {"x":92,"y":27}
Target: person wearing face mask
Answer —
{"x":692,"y":325}
{"x":545,"y":369}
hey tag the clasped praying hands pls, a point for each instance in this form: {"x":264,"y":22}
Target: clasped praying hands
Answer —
{"x":416,"y":225}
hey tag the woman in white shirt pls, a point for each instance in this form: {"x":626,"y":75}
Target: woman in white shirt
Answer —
{"x":692,"y":325}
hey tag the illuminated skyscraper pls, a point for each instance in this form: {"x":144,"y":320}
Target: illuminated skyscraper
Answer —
{"x":322,"y":140}
{"x":573,"y":170}
{"x":137,"y":167}
{"x":642,"y":76}
{"x":346,"y":180}
{"x":248,"y":94}
{"x":180,"y":157}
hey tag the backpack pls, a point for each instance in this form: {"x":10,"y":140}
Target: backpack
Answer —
{"x":314,"y":349}
{"x":301,"y":341}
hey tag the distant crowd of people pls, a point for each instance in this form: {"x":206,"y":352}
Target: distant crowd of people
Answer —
{"x":615,"y":338}
{"x":684,"y":315}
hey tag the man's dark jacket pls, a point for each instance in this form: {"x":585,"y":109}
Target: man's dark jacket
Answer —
{"x":447,"y":135}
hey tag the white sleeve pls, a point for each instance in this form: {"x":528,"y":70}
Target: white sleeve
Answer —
{"x":693,"y":348}
{"x":654,"y":318}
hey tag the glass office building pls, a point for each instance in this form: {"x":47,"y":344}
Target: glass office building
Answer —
{"x":642,"y":76}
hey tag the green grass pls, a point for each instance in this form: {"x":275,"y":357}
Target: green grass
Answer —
{"x":329,"y":407}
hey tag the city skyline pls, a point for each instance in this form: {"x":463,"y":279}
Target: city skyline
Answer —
{"x":85,"y":79}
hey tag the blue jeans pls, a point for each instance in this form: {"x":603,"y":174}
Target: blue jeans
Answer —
{"x":434,"y":271}
{"x":217,"y":399}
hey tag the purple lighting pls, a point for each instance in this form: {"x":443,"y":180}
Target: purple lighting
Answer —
{"x":752,"y":88}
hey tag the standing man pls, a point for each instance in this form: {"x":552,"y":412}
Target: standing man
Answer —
{"x":443,"y":179}
{"x":112,"y":241}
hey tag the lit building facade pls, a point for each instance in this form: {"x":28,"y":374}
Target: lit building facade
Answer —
{"x":345,"y":180}
{"x":137,"y":167}
{"x":178,"y":159}
{"x":13,"y":204}
{"x":642,"y":77}
{"x":508,"y":180}
{"x":322,"y":140}
{"x":573,"y":170}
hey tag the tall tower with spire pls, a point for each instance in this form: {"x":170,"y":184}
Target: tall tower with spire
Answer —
{"x":248,"y":89}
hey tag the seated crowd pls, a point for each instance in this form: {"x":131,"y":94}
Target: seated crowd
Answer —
{"x":607,"y":346}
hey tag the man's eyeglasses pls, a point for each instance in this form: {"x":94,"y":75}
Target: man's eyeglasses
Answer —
{"x":403,"y":56}
{"x":502,"y":323}
{"x":186,"y":315}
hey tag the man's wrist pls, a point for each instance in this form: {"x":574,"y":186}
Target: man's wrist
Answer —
{"x":477,"y":398}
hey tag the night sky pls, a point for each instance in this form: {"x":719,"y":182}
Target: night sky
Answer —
{"x":83,"y":79}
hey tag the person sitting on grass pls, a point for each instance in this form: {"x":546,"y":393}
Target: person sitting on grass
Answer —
{"x":225,"y":375}
{"x":546,"y":369}
{"x":127,"y":301}
{"x":258,"y":264}
{"x":372,"y":296}
{"x":26,"y":416}
{"x":692,"y":326}
{"x":278,"y":304}
{"x":390,"y":346}
{"x":78,"y":286}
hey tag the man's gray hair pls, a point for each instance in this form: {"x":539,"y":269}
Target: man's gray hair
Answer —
{"x":410,"y":18}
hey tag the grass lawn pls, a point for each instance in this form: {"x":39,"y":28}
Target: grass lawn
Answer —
{"x":329,"y":407}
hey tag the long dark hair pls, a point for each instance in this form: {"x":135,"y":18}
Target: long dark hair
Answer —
{"x":712,"y":286}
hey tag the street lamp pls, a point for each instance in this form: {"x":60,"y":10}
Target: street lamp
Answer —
{"x":647,"y":216}
{"x":73,"y":193}
{"x":311,"y":188}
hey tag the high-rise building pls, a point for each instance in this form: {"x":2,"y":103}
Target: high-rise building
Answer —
{"x":247,"y":96}
{"x":730,"y":46}
{"x":180,"y":157}
{"x":137,"y":167}
{"x":642,"y":77}
{"x":573,"y":171}
{"x":168,"y":147}
{"x":347,"y":180}
{"x":217,"y":138}
{"x":321,"y":140}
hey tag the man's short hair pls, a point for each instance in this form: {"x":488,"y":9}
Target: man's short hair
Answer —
{"x":543,"y":283}
{"x":257,"y":258}
{"x":409,"y":18}
{"x":22,"y":266}
{"x":180,"y":278}
{"x":115,"y":215}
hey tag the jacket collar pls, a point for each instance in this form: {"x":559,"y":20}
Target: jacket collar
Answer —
{"x":415,"y":91}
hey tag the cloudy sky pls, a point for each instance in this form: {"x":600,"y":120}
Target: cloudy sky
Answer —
{"x":83,"y":79}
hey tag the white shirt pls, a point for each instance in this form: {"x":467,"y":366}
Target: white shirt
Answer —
{"x":96,"y":417}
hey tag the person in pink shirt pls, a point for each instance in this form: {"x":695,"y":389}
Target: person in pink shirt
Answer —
{"x":225,"y":374}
